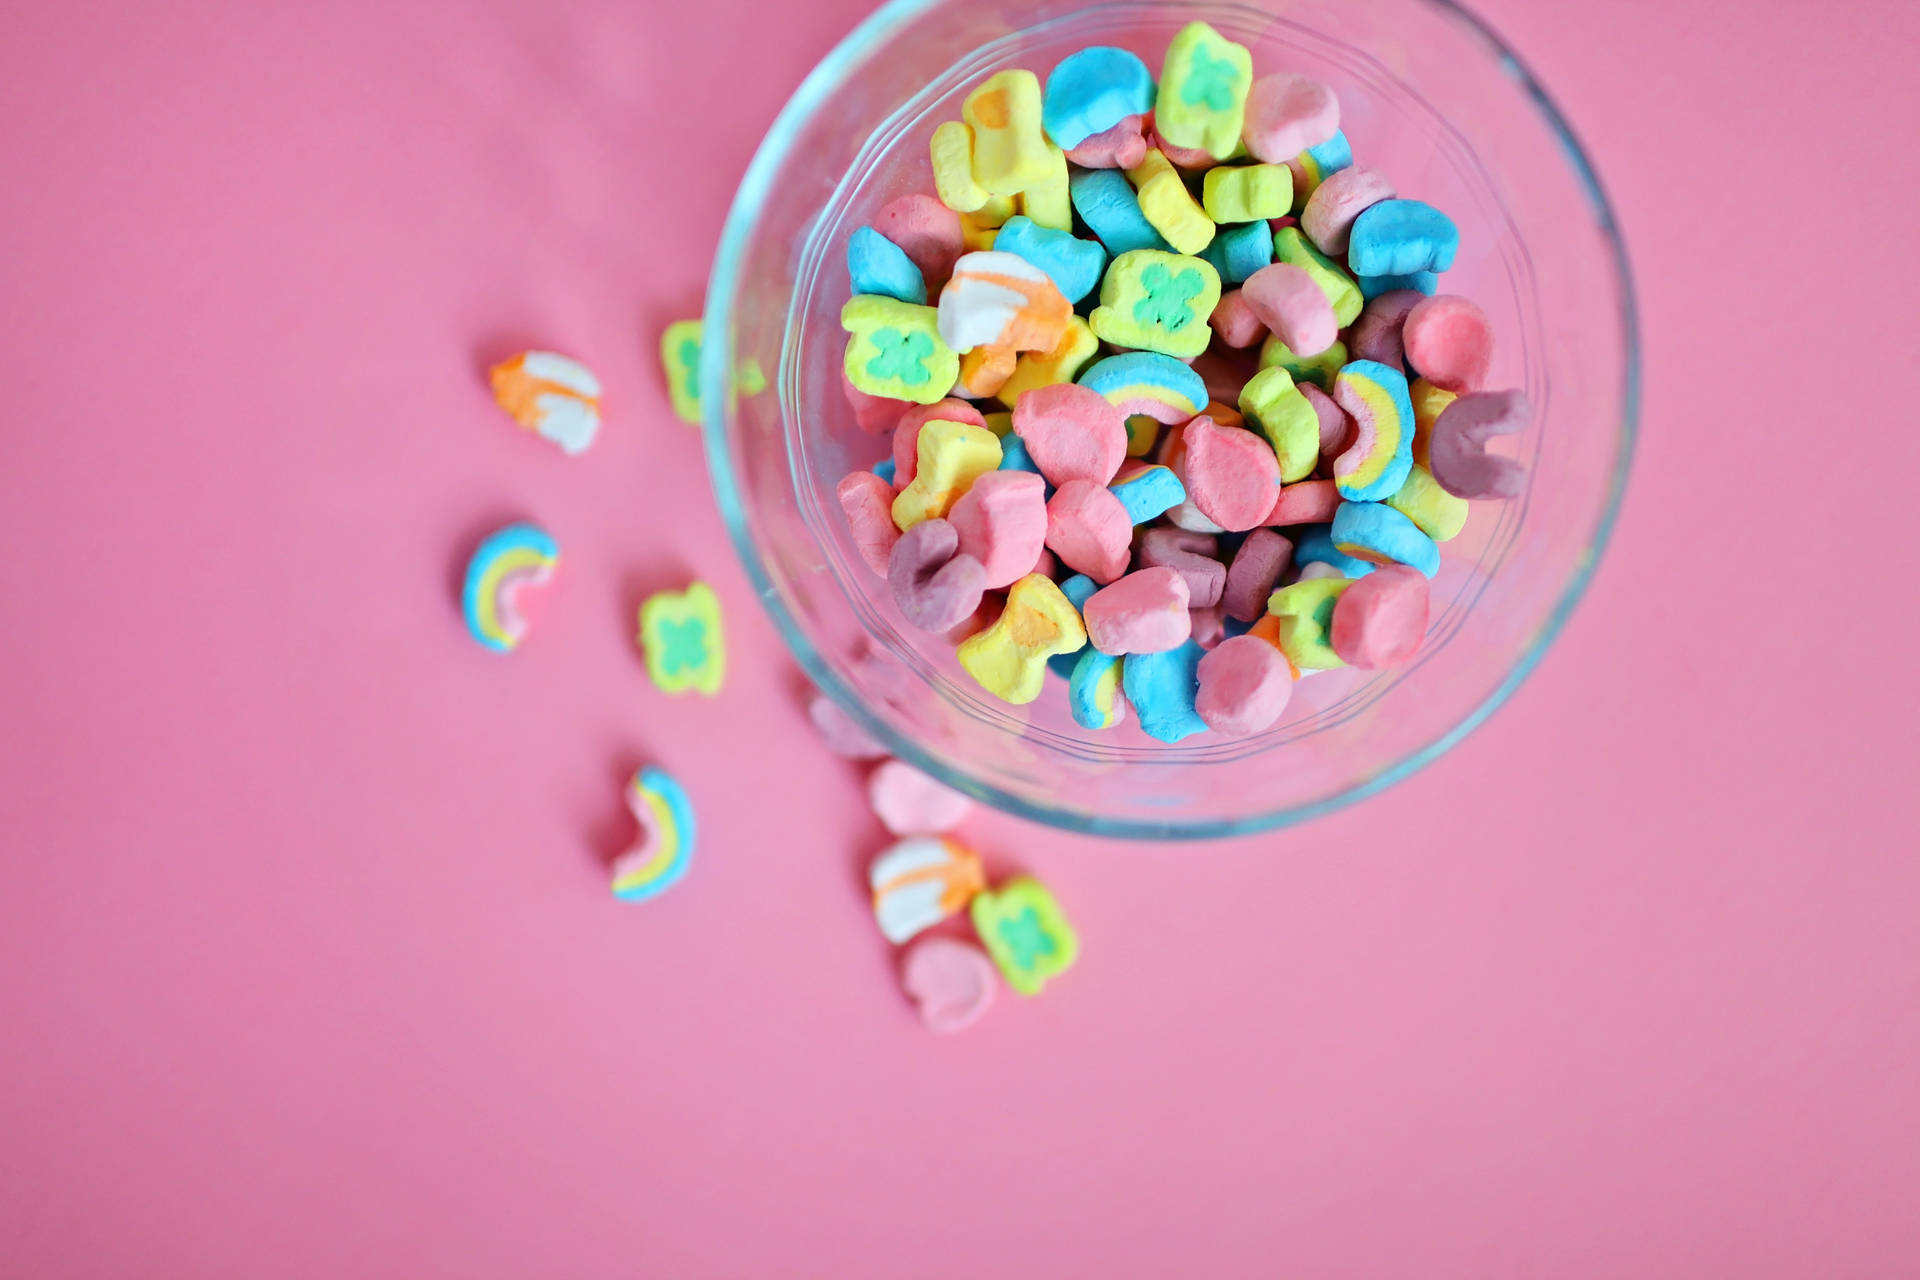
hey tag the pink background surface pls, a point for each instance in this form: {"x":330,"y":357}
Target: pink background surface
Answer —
{"x":309,"y":965}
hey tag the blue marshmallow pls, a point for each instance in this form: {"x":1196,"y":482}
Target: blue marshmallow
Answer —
{"x":1014,"y":455}
{"x":1372,"y":287}
{"x":1074,"y":265}
{"x":1150,"y":492}
{"x":1379,"y":530}
{"x":1077,"y":590}
{"x":1313,"y":544}
{"x":1162,"y":687}
{"x":879,"y":266}
{"x":884,"y":469}
{"x":1084,"y":691}
{"x":1400,"y":237}
{"x":1240,"y":250}
{"x":1105,"y":201}
{"x":1093,"y":90}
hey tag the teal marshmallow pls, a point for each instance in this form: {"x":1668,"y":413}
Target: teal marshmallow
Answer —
{"x":1084,"y":683}
{"x":1105,"y":201}
{"x":1078,"y":589}
{"x":1313,"y":544}
{"x":884,"y":469}
{"x":1372,"y":287}
{"x":1162,"y":687}
{"x":878,"y":265}
{"x":1383,"y":530}
{"x":1014,"y":455}
{"x":1074,"y":265}
{"x":1333,"y":155}
{"x":1400,"y":237}
{"x":1239,"y":250}
{"x":1152,"y":491}
{"x":1091,"y":91}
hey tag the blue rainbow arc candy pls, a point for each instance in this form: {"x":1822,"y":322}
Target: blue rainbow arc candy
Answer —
{"x":659,"y":857}
{"x":1375,"y":465}
{"x":1148,"y":383}
{"x":518,"y":558}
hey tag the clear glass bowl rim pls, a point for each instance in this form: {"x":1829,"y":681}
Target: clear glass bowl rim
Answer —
{"x":716,"y":362}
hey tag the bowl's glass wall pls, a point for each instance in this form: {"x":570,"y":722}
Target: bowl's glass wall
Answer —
{"x":1428,"y":99}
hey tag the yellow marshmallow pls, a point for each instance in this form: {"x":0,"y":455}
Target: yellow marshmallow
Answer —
{"x":1428,"y":401}
{"x":1440,"y":515}
{"x":952,"y":149}
{"x":1010,"y":152}
{"x":1272,"y":403}
{"x":1062,"y":364}
{"x":1048,"y":202}
{"x":1248,"y":193}
{"x":950,"y":457}
{"x":1009,"y":659}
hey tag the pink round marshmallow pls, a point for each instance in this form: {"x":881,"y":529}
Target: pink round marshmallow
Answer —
{"x":935,"y":586}
{"x":1337,"y":201}
{"x":1244,"y":686}
{"x":1308,"y":502}
{"x":868,"y":502}
{"x":1287,"y":301}
{"x":1449,"y":342}
{"x":1192,"y":556}
{"x":874,"y":415}
{"x":1209,"y":625}
{"x":1190,"y":158}
{"x":1143,"y":612}
{"x":1256,"y":567}
{"x":1376,"y":335}
{"x":1457,"y":450}
{"x":1381,"y":619}
{"x":1071,"y":433}
{"x":1231,"y":474}
{"x":909,"y":803}
{"x":1090,"y":530}
{"x":926,"y":230}
{"x":906,"y":435}
{"x":1002,"y":523}
{"x":1286,"y":114}
{"x":951,"y":982}
{"x":1122,"y":146}
{"x":1234,"y":321}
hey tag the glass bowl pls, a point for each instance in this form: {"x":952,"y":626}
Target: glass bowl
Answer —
{"x":1430,"y":97}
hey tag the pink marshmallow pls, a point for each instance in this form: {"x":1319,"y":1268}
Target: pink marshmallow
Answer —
{"x":906,"y":435}
{"x":1381,"y":619}
{"x":868,"y":502}
{"x":1090,"y":530}
{"x":1244,"y":686}
{"x":1002,"y":523}
{"x":1209,"y":625}
{"x":1376,"y":334}
{"x":926,"y":230}
{"x":1288,"y":302}
{"x":1230,"y":473}
{"x":1189,"y":554}
{"x":874,"y":415}
{"x":1308,"y":502}
{"x":1336,"y":428}
{"x":1121,"y":147}
{"x":1337,"y":201}
{"x":1286,"y":114}
{"x":1457,"y":451}
{"x":1144,"y":612}
{"x":1046,"y":566}
{"x":1450,"y":343}
{"x":1256,"y":567}
{"x":935,"y":586}
{"x":909,"y":803}
{"x":952,"y":982}
{"x":1234,"y":321}
{"x":1071,"y":433}
{"x":840,"y":732}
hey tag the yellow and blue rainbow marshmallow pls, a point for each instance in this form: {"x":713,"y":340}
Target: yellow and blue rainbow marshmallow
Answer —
{"x":1148,"y":383}
{"x":660,"y":855}
{"x":1375,"y":465}
{"x":517,"y":559}
{"x":1093,"y":691}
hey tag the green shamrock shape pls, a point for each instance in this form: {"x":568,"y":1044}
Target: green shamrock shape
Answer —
{"x":1167,"y":296}
{"x":1026,"y":938}
{"x":1209,"y":82}
{"x":683,"y":642}
{"x":690,"y":365}
{"x":900,"y":355}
